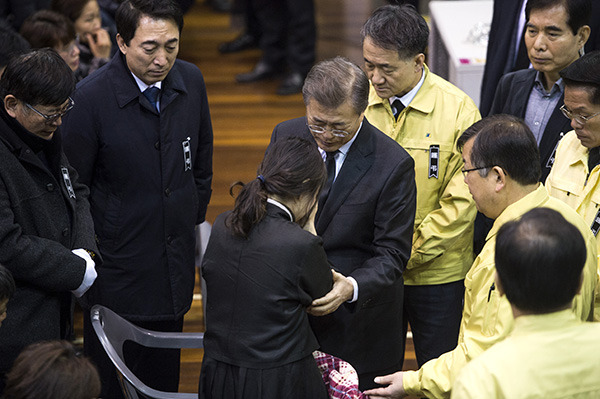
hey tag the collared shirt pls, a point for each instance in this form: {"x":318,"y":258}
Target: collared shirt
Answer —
{"x":408,"y":97}
{"x":442,"y":249}
{"x":541,"y":105}
{"x":487,"y":317}
{"x":549,"y":356}
{"x":340,"y":157}
{"x":143,"y":86}
{"x":281,"y":206}
{"x":572,"y":182}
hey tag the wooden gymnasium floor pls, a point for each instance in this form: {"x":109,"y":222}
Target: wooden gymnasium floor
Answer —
{"x":243,"y":116}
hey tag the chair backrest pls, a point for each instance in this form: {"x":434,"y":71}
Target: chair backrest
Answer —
{"x":113,"y":330}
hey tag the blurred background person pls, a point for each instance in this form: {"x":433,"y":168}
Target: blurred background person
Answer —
{"x":95,"y":44}
{"x":47,"y":28}
{"x":263,"y":266}
{"x":16,"y":11}
{"x":11,"y":44}
{"x":288,"y":41}
{"x":52,"y":370}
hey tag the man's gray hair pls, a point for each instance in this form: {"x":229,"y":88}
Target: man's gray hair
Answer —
{"x":333,"y":82}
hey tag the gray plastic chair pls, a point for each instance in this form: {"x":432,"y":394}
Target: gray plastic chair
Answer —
{"x":113,"y":330}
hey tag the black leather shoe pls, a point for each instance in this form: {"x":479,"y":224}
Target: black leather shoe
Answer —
{"x":244,"y":41}
{"x":292,"y":84}
{"x":261,"y":71}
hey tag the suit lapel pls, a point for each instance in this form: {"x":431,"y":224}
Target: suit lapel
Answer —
{"x":358,"y":161}
{"x":524,"y":85}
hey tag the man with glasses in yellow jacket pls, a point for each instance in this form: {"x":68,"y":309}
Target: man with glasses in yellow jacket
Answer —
{"x":575,"y":176}
{"x":425,"y":114}
{"x":550,"y":353}
{"x":502,"y":170}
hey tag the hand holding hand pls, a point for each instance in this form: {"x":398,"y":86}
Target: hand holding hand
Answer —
{"x":341,"y":292}
{"x":99,"y":43}
{"x":394,"y":388}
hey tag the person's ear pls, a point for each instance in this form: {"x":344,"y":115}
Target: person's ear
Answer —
{"x":10,"y":105}
{"x":583,"y":35}
{"x":121,"y":43}
{"x":419,"y":61}
{"x":500,"y":175}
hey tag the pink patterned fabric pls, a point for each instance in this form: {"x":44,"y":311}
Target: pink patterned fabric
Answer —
{"x":339,"y":376}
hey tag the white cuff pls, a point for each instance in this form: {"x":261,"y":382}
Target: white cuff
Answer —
{"x":90,"y":272}
{"x":355,"y":285}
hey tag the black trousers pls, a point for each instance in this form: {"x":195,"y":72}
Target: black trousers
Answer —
{"x":288,"y":33}
{"x":157,"y":368}
{"x":434,"y":313}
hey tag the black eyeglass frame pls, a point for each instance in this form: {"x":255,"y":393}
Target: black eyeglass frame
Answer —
{"x":54,"y":117}
{"x":465,"y":172}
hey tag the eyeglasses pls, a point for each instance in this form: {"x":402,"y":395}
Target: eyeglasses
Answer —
{"x":465,"y":172}
{"x":321,"y":130}
{"x":336,"y":132}
{"x":580,"y":119}
{"x":54,"y":117}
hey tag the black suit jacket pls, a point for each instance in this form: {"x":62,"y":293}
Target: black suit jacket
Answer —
{"x":511,"y":98}
{"x":500,"y":48}
{"x":259,"y":289}
{"x":367,"y":227}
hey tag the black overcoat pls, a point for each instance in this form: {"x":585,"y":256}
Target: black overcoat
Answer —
{"x":150,"y":176}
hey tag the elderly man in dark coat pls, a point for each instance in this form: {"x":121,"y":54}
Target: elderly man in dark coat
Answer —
{"x":141,"y":139}
{"x":46,"y":230}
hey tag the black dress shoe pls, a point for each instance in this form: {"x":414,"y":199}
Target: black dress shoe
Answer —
{"x":261,"y":71}
{"x":244,"y":41}
{"x":291,"y":84}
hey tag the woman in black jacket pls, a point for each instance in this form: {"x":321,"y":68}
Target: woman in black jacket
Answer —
{"x":263,"y":267}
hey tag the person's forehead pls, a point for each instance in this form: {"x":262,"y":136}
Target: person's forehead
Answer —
{"x":147,"y":23}
{"x":579,"y":94}
{"x":557,"y":14}
{"x":342,"y":112}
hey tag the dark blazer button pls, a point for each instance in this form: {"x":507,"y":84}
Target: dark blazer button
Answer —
{"x":65,"y":232}
{"x":167,"y":192}
{"x":157,"y":145}
{"x":50,"y":187}
{"x":169,"y":239}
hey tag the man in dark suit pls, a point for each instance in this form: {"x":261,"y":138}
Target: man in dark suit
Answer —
{"x":141,"y":139}
{"x":556,"y":32}
{"x":505,"y":44}
{"x":366,"y":215}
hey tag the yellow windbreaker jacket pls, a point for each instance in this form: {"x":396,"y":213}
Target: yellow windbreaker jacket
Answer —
{"x":428,"y":129}
{"x":487,"y":317}
{"x":571,"y":182}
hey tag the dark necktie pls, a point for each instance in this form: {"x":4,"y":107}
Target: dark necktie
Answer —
{"x":330,"y":165}
{"x":151,"y":94}
{"x":398,"y":107}
{"x":594,"y":158}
